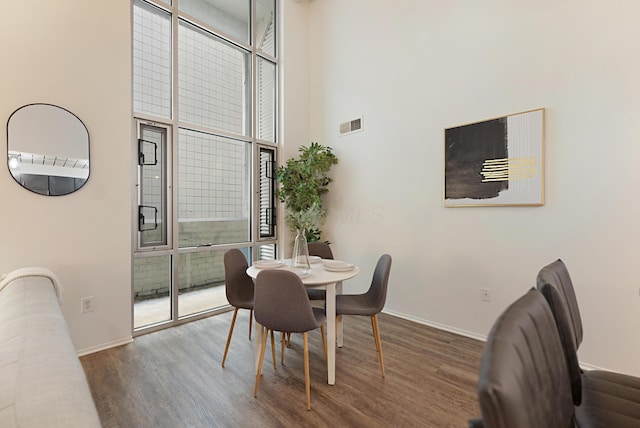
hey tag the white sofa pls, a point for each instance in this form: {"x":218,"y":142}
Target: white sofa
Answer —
{"x":42,"y":383}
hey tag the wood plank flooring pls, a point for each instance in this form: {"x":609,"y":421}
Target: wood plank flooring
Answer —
{"x":173,"y":378}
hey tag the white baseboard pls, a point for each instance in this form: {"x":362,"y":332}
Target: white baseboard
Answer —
{"x":103,"y":346}
{"x":589,"y":367}
{"x":439,"y":326}
{"x":472,"y":335}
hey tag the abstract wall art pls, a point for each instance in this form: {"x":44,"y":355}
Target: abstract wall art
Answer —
{"x":496,"y":162}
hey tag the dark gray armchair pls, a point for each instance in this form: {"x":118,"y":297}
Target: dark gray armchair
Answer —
{"x":602,"y":398}
{"x":524,"y":380}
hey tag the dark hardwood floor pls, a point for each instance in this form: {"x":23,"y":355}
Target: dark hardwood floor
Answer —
{"x":173,"y":378}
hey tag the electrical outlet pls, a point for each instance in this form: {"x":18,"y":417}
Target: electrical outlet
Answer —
{"x":86,"y":304}
{"x":485,"y":295}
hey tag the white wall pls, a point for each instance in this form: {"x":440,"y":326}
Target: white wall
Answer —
{"x":416,"y":67}
{"x":294,"y":119}
{"x":76,"y":55}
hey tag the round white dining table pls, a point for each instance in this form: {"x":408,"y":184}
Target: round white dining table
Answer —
{"x":317,"y":277}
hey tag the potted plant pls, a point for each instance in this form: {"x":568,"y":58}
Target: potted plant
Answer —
{"x":303,"y":181}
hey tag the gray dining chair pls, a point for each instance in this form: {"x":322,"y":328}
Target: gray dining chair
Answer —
{"x":239,"y":289}
{"x":524,"y":379}
{"x":322,"y":250}
{"x":370,"y":303}
{"x":602,"y":398}
{"x":281,"y":304}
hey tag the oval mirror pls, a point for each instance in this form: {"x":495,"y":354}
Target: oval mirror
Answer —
{"x":47,"y":149}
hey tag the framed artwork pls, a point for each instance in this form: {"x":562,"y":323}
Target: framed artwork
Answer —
{"x":497,"y":162}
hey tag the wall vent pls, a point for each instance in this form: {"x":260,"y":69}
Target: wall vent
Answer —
{"x":354,"y":125}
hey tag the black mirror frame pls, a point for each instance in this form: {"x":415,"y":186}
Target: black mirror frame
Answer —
{"x":76,"y":186}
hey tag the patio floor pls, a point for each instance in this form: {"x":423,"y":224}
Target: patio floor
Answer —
{"x":155,"y":310}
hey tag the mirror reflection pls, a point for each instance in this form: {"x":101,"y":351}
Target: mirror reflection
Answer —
{"x":48,"y":149}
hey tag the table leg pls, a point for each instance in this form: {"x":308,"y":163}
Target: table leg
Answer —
{"x":330,"y":300}
{"x":339,"y":319}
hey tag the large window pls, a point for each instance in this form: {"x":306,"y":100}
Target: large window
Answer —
{"x":205,"y":105}
{"x":151,"y":60}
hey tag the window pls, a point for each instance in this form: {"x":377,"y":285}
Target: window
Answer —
{"x":152,"y":182}
{"x":205,"y":104}
{"x":151,"y":60}
{"x":213,"y":81}
{"x":267,"y":183}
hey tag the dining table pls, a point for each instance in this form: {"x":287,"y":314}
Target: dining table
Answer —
{"x":323,"y":274}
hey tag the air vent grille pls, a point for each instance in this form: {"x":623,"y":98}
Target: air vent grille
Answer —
{"x":351,"y":126}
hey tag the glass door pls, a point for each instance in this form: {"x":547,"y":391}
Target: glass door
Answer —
{"x":214,"y":206}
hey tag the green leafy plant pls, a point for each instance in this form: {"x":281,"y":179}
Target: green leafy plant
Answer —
{"x":303,"y":181}
{"x":309,"y":220}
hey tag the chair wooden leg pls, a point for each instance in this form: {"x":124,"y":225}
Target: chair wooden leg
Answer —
{"x":306,"y":369}
{"x":273,"y":351}
{"x":233,"y":323}
{"x":259,"y":371}
{"x":376,"y":333}
{"x":373,"y":328}
{"x":324,"y":341}
{"x":250,"y":321}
